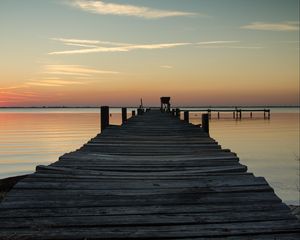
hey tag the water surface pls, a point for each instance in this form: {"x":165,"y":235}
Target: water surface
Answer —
{"x":270,"y":148}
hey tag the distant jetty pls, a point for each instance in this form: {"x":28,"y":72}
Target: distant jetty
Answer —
{"x":236,"y":112}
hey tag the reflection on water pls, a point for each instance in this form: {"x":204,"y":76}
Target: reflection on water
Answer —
{"x":269,"y":148}
{"x":31,"y":138}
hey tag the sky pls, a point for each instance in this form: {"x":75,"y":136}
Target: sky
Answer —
{"x":114,"y":52}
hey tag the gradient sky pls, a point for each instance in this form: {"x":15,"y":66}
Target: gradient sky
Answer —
{"x":199,"y":52}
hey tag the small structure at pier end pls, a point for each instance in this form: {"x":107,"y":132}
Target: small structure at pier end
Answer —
{"x":165,"y":104}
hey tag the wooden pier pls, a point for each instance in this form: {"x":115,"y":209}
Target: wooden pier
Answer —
{"x":154,"y":177}
{"x":237,"y":113}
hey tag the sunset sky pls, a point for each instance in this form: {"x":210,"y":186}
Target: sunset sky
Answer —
{"x":113,"y":52}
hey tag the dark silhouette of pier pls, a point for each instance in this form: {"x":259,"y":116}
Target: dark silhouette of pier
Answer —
{"x":237,"y":113}
{"x":154,"y":177}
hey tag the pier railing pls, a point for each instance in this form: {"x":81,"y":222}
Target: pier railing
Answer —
{"x":140,"y":111}
{"x":237,"y":113}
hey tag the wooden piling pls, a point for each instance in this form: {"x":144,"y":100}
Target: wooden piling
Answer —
{"x":104,"y":117}
{"x":218,"y":115}
{"x":124,"y":115}
{"x":251,"y":114}
{"x":178,"y":112}
{"x":209,"y":113}
{"x":186,"y":116}
{"x":205,"y":122}
{"x":132,"y":113}
{"x":140,"y":111}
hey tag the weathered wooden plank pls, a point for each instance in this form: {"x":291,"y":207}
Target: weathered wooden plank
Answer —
{"x":211,"y":209}
{"x":144,"y":219}
{"x":150,"y":209}
{"x":156,"y":169}
{"x":209,"y":156}
{"x":158,"y":232}
{"x":140,"y":164}
{"x":224,"y":169}
{"x":85,"y":176}
{"x":141,"y":200}
{"x":55,"y":194}
{"x":208,"y":179}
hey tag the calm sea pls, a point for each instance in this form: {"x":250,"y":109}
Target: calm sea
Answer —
{"x":270,"y":148}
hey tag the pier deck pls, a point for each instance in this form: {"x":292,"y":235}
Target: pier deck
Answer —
{"x":155,"y":177}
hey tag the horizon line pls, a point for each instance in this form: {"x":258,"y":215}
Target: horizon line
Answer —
{"x":200,"y":106}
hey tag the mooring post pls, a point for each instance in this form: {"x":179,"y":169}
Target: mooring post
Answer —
{"x":104,"y":117}
{"x":250,"y":114}
{"x":124,"y":115}
{"x":269,"y":113}
{"x":264,"y":113}
{"x":205,"y":122}
{"x":178,"y":112}
{"x":234,"y":114}
{"x":132,"y":113}
{"x":186,"y":116}
{"x":218,"y":115}
{"x":140,"y":111}
{"x":240,"y":113}
{"x":209,"y":113}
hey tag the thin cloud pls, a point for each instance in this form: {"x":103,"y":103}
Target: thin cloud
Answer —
{"x":231,"y":47}
{"x":225,"y":44}
{"x":13,"y":87}
{"x":90,"y":50}
{"x":42,"y":84}
{"x":166,"y":66}
{"x":156,"y":46}
{"x":74,"y":70}
{"x":58,"y":75}
{"x":11,"y":96}
{"x":54,"y":83}
{"x":100,"y":7}
{"x":217,"y":42}
{"x":72,"y":40}
{"x":281,"y":26}
{"x":64,"y":82}
{"x":18,"y":95}
{"x":87,"y":42}
{"x":124,"y":48}
{"x":8,"y":101}
{"x":52,"y":78}
{"x":67,"y":73}
{"x":245,"y":47}
{"x":81,"y":45}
